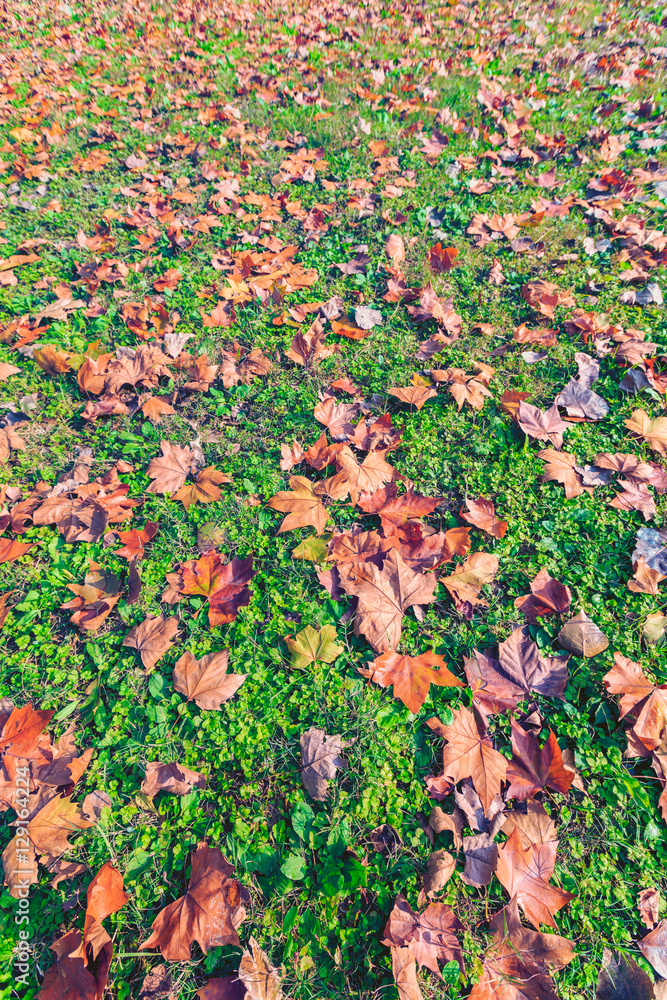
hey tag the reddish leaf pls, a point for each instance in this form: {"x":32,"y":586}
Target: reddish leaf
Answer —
{"x":209,"y":913}
{"x":411,"y":676}
{"x":482,"y":514}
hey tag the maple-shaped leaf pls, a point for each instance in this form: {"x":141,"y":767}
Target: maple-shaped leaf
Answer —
{"x":645,"y":700}
{"x":209,"y":913}
{"x":133,"y":542}
{"x":654,"y":432}
{"x":532,"y":769}
{"x":634,"y":496}
{"x":394,"y":248}
{"x":155,"y":408}
{"x":308,"y":348}
{"x":169,"y":472}
{"x":68,"y":978}
{"x":411,"y":676}
{"x":221,"y":988}
{"x":404,"y":971}
{"x":414,"y":395}
{"x":159,"y":985}
{"x":311,"y":645}
{"x":562,"y":468}
{"x":482,"y":514}
{"x":21,"y":729}
{"x":174,"y":778}
{"x":384,"y":595}
{"x":429,"y":936}
{"x":543,"y":425}
{"x":204,"y":489}
{"x":526,"y":873}
{"x":545,"y":296}
{"x":152,"y":638}
{"x":469,"y":753}
{"x":337,"y":417}
{"x":520,"y":668}
{"x":321,"y":454}
{"x":356,"y":478}
{"x":441,"y":258}
{"x":471,"y":389}
{"x":302,"y":506}
{"x":467,"y":580}
{"x":47,"y":833}
{"x":200,"y":375}
{"x":206,"y":681}
{"x":320,"y":761}
{"x":518,"y":960}
{"x":225,"y":585}
{"x":547,"y":597}
{"x":510,"y":400}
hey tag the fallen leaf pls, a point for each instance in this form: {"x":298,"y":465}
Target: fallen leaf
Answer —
{"x":204,"y":489}
{"x":654,"y":432}
{"x":582,"y":637}
{"x":429,"y":936}
{"x":152,"y":638}
{"x":260,"y":978}
{"x":543,"y":425}
{"x":562,"y":468}
{"x":302,"y":506}
{"x":224,"y":585}
{"x":320,"y":761}
{"x":414,"y":395}
{"x":174,"y":778}
{"x":648,"y":903}
{"x":441,"y":258}
{"x":518,"y":960}
{"x":311,"y":645}
{"x":206,"y":681}
{"x":469,"y":753}
{"x":467,"y":580}
{"x":482,"y":514}
{"x":520,"y":668}
{"x":547,"y":597}
{"x":645,"y":700}
{"x":169,"y":472}
{"x":526,"y":873}
{"x":621,"y":978}
{"x":532,"y":769}
{"x":411,"y":676}
{"x":209,"y":913}
{"x":654,"y":948}
{"x":439,"y":869}
{"x":384,"y":595}
{"x":394,"y":248}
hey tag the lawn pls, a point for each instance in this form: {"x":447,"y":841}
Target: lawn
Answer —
{"x":332,"y":390}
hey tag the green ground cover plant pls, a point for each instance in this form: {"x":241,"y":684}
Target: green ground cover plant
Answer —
{"x":333,"y":366}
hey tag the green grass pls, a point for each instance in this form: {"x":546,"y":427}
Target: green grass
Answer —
{"x":324,"y":925}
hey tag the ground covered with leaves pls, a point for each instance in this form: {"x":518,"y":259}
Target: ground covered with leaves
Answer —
{"x":333,"y":363}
